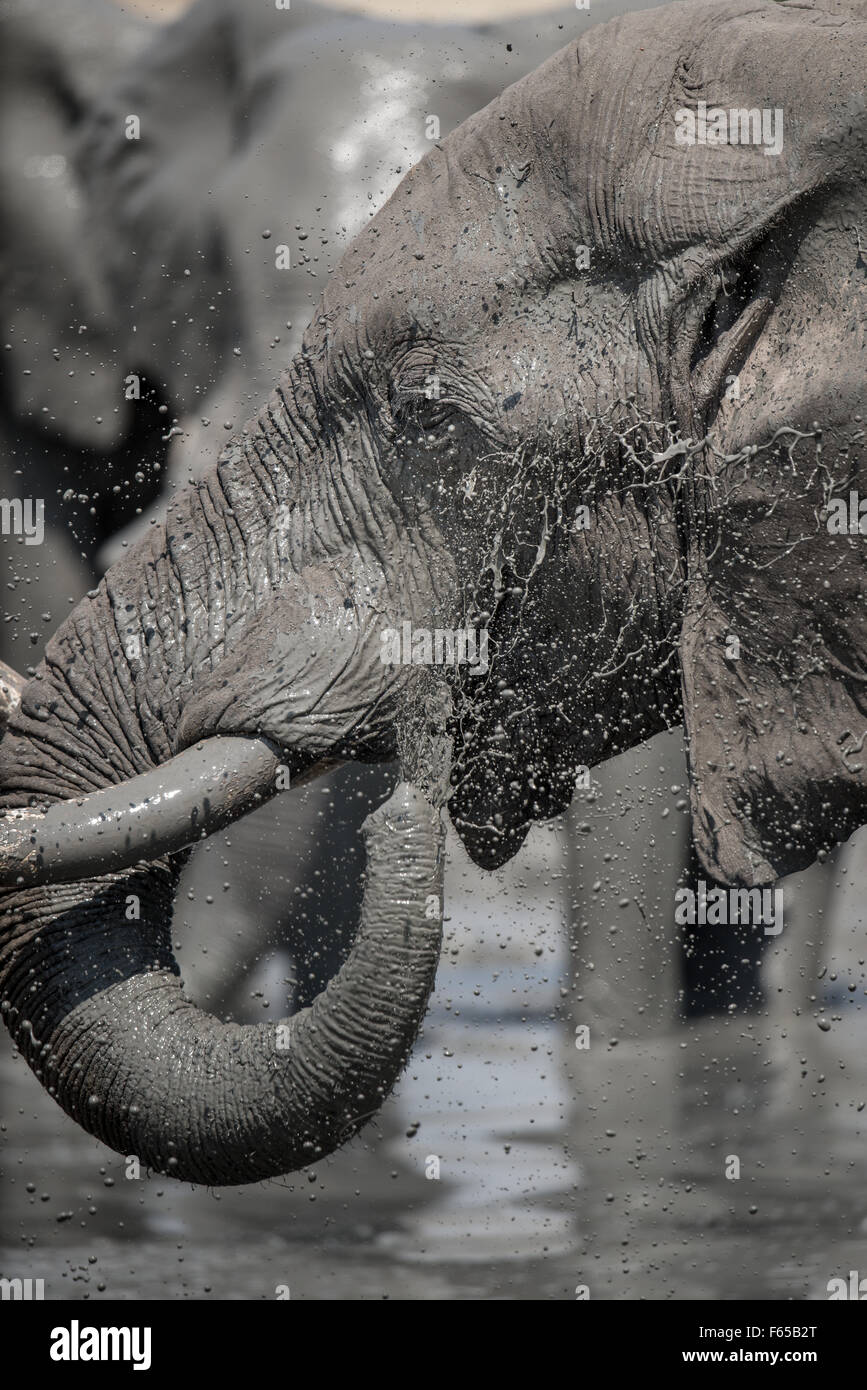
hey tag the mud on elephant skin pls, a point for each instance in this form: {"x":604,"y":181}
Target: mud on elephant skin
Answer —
{"x":357,"y":501}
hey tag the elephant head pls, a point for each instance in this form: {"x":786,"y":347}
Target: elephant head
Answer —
{"x":582,"y":392}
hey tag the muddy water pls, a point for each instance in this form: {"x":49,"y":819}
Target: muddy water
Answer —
{"x":510,"y":1165}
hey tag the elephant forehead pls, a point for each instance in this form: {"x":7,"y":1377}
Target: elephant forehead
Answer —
{"x":449,"y":236}
{"x":696,"y":122}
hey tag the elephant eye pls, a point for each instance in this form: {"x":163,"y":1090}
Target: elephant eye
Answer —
{"x":421,"y":408}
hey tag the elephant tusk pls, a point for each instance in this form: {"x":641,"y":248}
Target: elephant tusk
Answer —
{"x":11,"y":686}
{"x":160,"y":812}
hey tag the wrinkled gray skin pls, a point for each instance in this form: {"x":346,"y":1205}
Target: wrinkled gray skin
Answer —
{"x":351,"y":503}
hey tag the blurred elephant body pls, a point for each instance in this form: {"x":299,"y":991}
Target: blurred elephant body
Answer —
{"x":70,"y":441}
{"x":297,"y":124}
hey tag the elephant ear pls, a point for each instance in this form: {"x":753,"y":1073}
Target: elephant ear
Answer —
{"x":60,"y":371}
{"x":774,"y":671}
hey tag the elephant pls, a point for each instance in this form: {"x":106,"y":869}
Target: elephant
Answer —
{"x":86,"y":207}
{"x":509,"y":427}
{"x":229,"y":101}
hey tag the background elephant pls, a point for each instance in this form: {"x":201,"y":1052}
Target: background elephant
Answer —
{"x":69,"y":438}
{"x":355,"y":499}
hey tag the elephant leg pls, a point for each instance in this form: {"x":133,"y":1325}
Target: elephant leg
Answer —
{"x":228,"y":915}
{"x":626,"y":852}
{"x":721,"y":964}
{"x":333,"y":879}
{"x":805,"y":946}
{"x":634,"y":878}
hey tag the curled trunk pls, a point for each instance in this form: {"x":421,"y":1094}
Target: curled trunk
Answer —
{"x":90,"y":991}
{"x":228,"y":626}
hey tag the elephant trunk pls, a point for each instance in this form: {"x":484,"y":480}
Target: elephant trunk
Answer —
{"x":91,"y":993}
{"x":159,"y":812}
{"x":231,"y":626}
